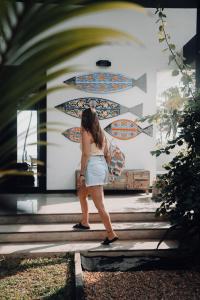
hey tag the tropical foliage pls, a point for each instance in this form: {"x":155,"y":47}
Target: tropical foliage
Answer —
{"x":179,"y":188}
{"x":30,"y":41}
{"x":168,"y":115}
{"x":170,"y":111}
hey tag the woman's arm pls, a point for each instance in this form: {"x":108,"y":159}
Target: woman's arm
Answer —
{"x":85,"y":150}
{"x":106,"y":151}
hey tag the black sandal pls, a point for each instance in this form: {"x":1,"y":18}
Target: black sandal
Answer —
{"x":107,"y":241}
{"x":80,"y":226}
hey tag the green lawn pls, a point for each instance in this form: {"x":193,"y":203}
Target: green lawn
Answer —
{"x":37,"y":278}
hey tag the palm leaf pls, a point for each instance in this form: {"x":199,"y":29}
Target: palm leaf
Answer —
{"x":47,"y":16}
{"x":39,"y":56}
{"x":30,"y":41}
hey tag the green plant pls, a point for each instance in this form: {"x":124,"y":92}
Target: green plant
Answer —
{"x":30,"y":42}
{"x":168,"y":114}
{"x":179,"y":188}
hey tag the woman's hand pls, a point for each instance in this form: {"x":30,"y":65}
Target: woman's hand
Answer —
{"x":81,"y":181}
{"x":108,"y":158}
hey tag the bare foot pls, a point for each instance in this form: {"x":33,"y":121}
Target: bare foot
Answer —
{"x":85,"y":224}
{"x":111,"y":236}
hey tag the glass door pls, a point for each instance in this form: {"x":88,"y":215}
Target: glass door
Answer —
{"x":27,"y":136}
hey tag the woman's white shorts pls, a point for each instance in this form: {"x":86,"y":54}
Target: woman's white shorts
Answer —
{"x":97,"y":171}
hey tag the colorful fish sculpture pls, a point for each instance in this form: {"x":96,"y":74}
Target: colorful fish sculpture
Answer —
{"x":126,"y":129}
{"x":105,"y":108}
{"x":73,"y":134}
{"x":121,"y":129}
{"x":102,"y":83}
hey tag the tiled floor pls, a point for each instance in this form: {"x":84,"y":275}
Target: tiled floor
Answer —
{"x":69,"y":203}
{"x":142,"y":247}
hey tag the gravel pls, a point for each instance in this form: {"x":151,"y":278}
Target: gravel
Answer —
{"x":143,"y":285}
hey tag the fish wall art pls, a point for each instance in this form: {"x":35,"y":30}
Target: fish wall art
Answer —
{"x":126,"y":129}
{"x":101,"y":82}
{"x":122,"y":129}
{"x":73,"y":134}
{"x":105,"y":108}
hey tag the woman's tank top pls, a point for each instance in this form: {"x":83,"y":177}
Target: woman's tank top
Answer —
{"x":95,"y":150}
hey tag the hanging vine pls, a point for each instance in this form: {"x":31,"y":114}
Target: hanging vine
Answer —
{"x":179,"y":188}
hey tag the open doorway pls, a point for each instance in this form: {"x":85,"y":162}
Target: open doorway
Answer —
{"x":27,"y":148}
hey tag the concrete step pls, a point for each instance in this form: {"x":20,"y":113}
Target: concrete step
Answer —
{"x":144,"y":216}
{"x":93,"y":248}
{"x":65,"y":232}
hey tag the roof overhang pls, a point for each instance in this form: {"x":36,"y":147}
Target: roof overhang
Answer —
{"x":147,"y":3}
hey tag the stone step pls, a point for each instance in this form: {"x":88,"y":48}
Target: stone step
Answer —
{"x":92,"y":248}
{"x":135,"y":216}
{"x":65,"y":232}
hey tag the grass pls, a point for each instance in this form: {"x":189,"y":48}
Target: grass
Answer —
{"x":37,"y":278}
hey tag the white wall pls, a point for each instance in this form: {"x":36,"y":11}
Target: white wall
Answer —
{"x":129,"y":60}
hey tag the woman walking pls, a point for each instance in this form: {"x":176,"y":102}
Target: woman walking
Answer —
{"x":94,"y":172}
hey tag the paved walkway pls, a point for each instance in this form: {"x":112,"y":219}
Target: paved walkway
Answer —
{"x":136,"y":238}
{"x":69,"y":203}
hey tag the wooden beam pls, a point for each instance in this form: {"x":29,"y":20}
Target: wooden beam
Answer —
{"x":189,"y":50}
{"x":198,"y":51}
{"x":145,"y":3}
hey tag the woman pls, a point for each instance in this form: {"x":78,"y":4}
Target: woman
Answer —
{"x":94,"y":172}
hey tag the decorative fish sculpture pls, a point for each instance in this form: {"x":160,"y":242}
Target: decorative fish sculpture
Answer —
{"x":101,"y":83}
{"x":105,"y":108}
{"x":121,"y":129}
{"x":126,"y":129}
{"x":73,"y":134}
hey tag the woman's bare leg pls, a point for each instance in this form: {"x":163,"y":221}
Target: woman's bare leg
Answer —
{"x":83,"y":194}
{"x":98,"y":198}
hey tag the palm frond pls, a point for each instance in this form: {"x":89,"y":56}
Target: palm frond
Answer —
{"x":49,"y":16}
{"x":30,"y":40}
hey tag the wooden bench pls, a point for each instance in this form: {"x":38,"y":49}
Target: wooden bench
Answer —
{"x":130,"y":179}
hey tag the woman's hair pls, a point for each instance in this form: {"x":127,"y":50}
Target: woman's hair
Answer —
{"x":90,"y":123}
